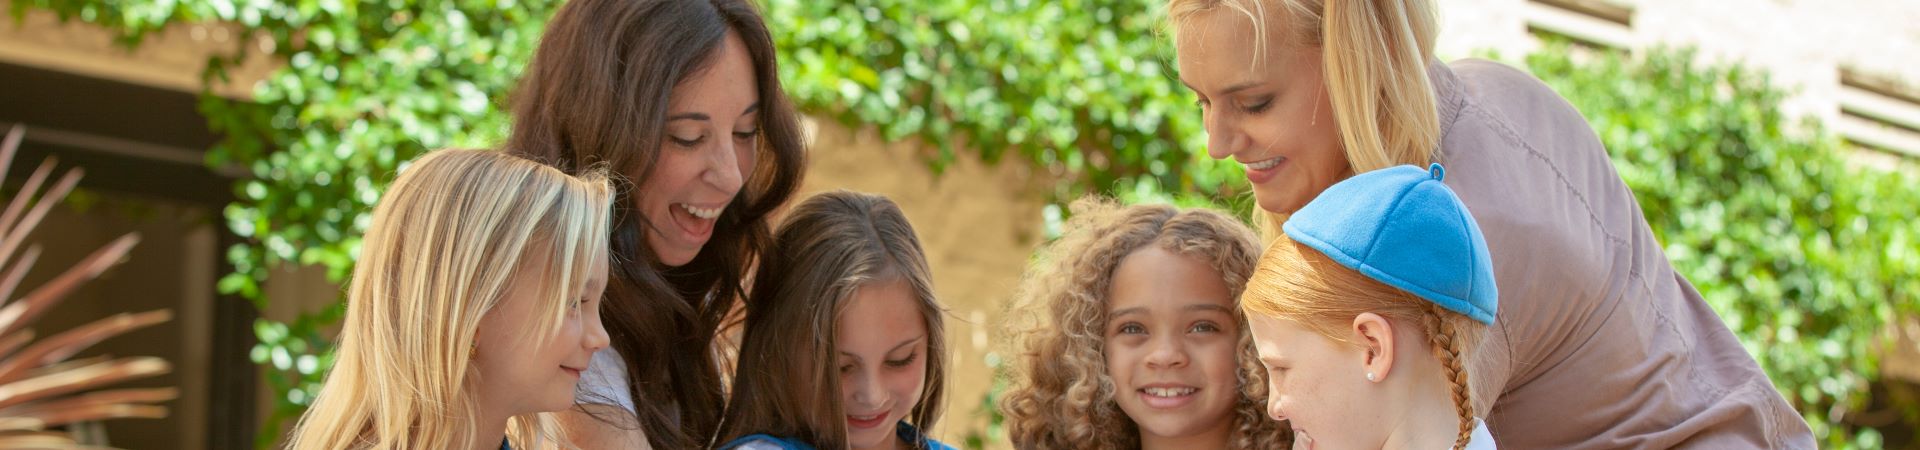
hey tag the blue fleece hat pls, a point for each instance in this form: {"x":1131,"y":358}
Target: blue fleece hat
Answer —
{"x":1401,"y":226}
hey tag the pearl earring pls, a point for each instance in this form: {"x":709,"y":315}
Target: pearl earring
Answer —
{"x":1370,"y":376}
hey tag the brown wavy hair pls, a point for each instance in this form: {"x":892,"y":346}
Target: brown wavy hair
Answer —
{"x":827,"y":248}
{"x":596,"y":94}
{"x":1297,"y":283}
{"x":1061,"y":396}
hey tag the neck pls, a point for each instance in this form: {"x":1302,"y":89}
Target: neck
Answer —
{"x":1427,"y":420}
{"x":490,"y":430}
{"x":1211,"y":438}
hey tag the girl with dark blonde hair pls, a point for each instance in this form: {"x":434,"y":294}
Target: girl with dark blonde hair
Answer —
{"x":844,"y":346}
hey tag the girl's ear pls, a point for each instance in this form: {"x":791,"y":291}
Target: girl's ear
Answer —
{"x":1375,"y":336}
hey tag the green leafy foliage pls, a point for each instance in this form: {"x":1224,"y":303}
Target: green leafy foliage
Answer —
{"x":1082,"y":89}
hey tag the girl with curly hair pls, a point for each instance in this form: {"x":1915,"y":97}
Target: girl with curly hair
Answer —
{"x":1129,"y":336}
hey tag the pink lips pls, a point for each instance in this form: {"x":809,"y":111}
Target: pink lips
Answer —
{"x":864,"y":422}
{"x":1167,"y":395}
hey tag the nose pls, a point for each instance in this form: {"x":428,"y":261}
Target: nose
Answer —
{"x":724,"y":167}
{"x":863,"y":390}
{"x":596,"y":336}
{"x":1273,"y":407}
{"x":1221,"y":140}
{"x":1167,"y":352}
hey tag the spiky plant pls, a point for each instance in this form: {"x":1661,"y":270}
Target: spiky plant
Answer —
{"x":41,"y":388}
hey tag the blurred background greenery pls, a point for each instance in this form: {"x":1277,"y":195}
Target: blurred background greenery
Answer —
{"x":1810,"y":256}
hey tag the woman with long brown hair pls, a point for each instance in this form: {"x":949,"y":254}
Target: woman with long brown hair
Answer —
{"x":682,"y":100}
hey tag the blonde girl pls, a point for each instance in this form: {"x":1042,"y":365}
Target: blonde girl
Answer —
{"x":844,"y":346}
{"x":472,"y":311}
{"x":1613,"y":348}
{"x":1126,"y":336}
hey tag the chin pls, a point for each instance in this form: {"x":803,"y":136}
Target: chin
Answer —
{"x":676,"y":260}
{"x":872,"y":441}
{"x":670,"y":255}
{"x":1277,"y":203}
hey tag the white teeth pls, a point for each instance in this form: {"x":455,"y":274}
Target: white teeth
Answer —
{"x":1267,"y":164}
{"x":704,"y":213}
{"x":1169,"y":392}
{"x":865,"y":418}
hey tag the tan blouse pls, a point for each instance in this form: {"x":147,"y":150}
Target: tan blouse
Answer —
{"x":1598,"y":343}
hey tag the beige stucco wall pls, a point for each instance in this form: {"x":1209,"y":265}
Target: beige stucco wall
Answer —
{"x":171,"y":58}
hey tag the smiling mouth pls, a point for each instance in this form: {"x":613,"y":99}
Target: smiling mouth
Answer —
{"x":703,"y":213}
{"x":1166,"y":392}
{"x":1265,"y":164}
{"x":867,"y":421}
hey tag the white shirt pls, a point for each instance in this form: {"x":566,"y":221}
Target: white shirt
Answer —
{"x":605,"y":381}
{"x":1481,"y":439}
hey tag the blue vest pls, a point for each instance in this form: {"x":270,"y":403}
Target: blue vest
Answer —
{"x":906,"y":432}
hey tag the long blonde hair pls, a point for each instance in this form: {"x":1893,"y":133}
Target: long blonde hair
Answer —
{"x":1299,"y":284}
{"x":1375,"y":55}
{"x":1061,"y":396}
{"x":447,"y":239}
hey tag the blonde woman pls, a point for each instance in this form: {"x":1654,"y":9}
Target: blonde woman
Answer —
{"x":1599,"y":343}
{"x":473,"y":310}
{"x":1127,"y":336}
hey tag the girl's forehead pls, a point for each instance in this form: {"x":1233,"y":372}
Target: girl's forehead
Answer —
{"x":886,"y":312}
{"x":1154,"y":280}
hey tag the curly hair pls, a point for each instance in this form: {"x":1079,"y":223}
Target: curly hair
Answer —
{"x":1061,"y":396}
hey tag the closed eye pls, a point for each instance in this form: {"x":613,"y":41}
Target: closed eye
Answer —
{"x":902,"y":362}
{"x":1260,"y":106}
{"x":689,"y":143}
